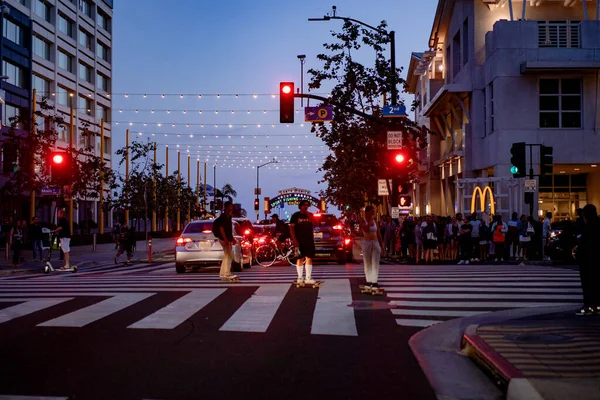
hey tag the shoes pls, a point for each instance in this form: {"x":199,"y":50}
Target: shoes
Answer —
{"x":116,"y":260}
{"x":309,"y":280}
{"x":477,"y":260}
{"x":300,"y":280}
{"x":466,"y":262}
{"x":588,"y":311}
{"x":472,"y":260}
{"x":461,"y":262}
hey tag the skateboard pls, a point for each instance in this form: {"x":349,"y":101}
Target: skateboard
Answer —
{"x":373,"y":291}
{"x":232,"y":279}
{"x":48,"y":268}
{"x":315,"y":285}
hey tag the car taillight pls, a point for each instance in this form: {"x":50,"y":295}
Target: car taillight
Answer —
{"x":347,"y":241}
{"x":261,"y":240}
{"x":247,"y":232}
{"x":317,"y":215}
{"x":207,"y":231}
{"x":182,"y":241}
{"x":338,"y":227}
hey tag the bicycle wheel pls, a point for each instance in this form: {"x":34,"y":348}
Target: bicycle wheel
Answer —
{"x":292,"y":257}
{"x":266,"y":255}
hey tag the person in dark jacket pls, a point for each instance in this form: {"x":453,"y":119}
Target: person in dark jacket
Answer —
{"x":588,"y":259}
{"x":124,"y":244}
{"x":36,"y":236}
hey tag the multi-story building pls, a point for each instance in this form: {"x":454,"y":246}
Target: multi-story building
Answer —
{"x":61,"y":48}
{"x":498,"y":72}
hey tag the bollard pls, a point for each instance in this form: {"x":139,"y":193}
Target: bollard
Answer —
{"x":150,"y":250}
{"x":94,"y":242}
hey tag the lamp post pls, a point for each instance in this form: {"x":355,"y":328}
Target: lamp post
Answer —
{"x":273,"y":161}
{"x":391,"y":35}
{"x":301,"y":57}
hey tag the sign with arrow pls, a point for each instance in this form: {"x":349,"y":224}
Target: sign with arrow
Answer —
{"x":318,"y":114}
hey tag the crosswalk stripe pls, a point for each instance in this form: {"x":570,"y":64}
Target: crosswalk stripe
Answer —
{"x":256,"y":314}
{"x":14,"y":397}
{"x":332,"y":316}
{"x":436,"y":313}
{"x":490,"y":284}
{"x":474,"y":304}
{"x":177,"y":312}
{"x":536,"y":279}
{"x":452,"y":296}
{"x":97,"y":311}
{"x":464,"y":289}
{"x":28,"y":307}
{"x":420,"y":323}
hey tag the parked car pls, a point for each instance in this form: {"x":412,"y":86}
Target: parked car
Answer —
{"x":197,"y":246}
{"x":331,"y":240}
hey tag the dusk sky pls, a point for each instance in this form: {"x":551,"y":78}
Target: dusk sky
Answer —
{"x":191,"y":48}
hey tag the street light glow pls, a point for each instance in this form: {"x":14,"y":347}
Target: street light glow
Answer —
{"x":57,"y":159}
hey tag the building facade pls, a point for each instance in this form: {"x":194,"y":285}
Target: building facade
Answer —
{"x":64,"y":51}
{"x":498,"y":72}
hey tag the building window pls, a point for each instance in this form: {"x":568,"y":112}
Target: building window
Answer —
{"x":11,"y":116}
{"x":492,"y":119}
{"x":107,"y":149}
{"x":63,"y":132}
{"x":485,"y":110}
{"x":65,"y":25}
{"x":103,"y":21}
{"x":84,"y":105}
{"x":85,"y":39}
{"x":13,"y":32}
{"x":41,"y":85}
{"x":86,"y":7}
{"x":560,"y":103}
{"x":103,"y":52}
{"x":15,"y":74}
{"x":456,"y":59}
{"x":64,"y":97}
{"x":41,"y":48}
{"x":42,"y":9}
{"x":85,"y":73}
{"x":465,"y":42}
{"x":65,"y":61}
{"x":102,"y":113}
{"x":102,"y":82}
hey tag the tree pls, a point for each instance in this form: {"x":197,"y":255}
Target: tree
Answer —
{"x":358,"y":144}
{"x":228,"y":192}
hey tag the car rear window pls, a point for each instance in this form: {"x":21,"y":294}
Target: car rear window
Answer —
{"x":325,"y":220}
{"x":198,"y":227}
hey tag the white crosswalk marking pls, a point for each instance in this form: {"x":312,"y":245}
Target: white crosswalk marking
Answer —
{"x":332,"y":314}
{"x":10,"y":397}
{"x":178,"y":311}
{"x":28,"y":307}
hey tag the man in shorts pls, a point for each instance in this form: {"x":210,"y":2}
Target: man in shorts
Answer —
{"x":301,"y":230}
{"x":64,"y":235}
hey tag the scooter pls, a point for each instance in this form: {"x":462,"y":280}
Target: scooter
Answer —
{"x":48,"y":266}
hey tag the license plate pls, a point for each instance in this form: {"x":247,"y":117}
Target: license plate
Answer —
{"x":319,"y":235}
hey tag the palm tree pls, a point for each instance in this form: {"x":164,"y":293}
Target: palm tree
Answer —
{"x":228,"y":192}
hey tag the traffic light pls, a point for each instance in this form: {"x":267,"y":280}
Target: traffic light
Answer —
{"x":60,"y":168}
{"x":517,"y":160}
{"x":404,"y":201}
{"x":286,"y":102}
{"x":400,"y":188}
{"x":546,"y":160}
{"x":256,"y":204}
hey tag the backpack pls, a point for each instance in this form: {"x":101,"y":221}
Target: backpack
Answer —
{"x":216,"y":228}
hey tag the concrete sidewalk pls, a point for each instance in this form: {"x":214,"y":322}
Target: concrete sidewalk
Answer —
{"x":523,"y":354}
{"x":83,"y":256}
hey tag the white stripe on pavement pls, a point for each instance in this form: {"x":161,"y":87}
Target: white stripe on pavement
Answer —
{"x":436,"y":313}
{"x":177,"y":312}
{"x":12,"y":397}
{"x":421,"y":323}
{"x":97,"y":311}
{"x":475,"y":304}
{"x":463,"y":289}
{"x":500,"y":284}
{"x":490,"y":296}
{"x":30,"y":306}
{"x":333,"y":315}
{"x":536,"y":279}
{"x":256,"y":314}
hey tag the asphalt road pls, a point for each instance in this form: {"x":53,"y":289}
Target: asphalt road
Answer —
{"x":79,"y":344}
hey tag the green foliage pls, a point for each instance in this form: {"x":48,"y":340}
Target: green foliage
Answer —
{"x":358,"y":144}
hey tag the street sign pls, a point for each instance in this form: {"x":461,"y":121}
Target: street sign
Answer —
{"x":382,"y":189}
{"x":46,"y":191}
{"x":394,"y":111}
{"x":530,"y":186}
{"x":318,"y":114}
{"x":257,"y":191}
{"x":394,"y":140}
{"x":395,"y":212}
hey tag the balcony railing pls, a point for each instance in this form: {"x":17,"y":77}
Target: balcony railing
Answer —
{"x":559,"y":35}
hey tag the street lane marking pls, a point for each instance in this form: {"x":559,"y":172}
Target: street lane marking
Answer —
{"x":12,"y":397}
{"x":177,"y":312}
{"x":28,"y":307}
{"x":436,"y":313}
{"x":421,"y":323}
{"x":332,"y":314}
{"x":463,"y":289}
{"x":490,"y":296}
{"x":491,"y":284}
{"x":97,"y":311}
{"x":256,"y":314}
{"x":474,"y":304}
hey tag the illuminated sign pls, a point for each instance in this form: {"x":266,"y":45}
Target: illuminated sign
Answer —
{"x":293,"y":199}
{"x":482,"y":195}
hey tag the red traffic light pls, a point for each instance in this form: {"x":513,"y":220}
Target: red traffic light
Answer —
{"x":58,"y":159}
{"x":400,"y":158}
{"x":286,"y":102}
{"x":286,"y":89}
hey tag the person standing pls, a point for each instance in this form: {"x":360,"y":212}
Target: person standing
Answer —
{"x":64,"y":234}
{"x":124,"y":244}
{"x":512,"y":236}
{"x":16,"y":240}
{"x":301,"y":230}
{"x":475,"y":237}
{"x":526,"y":232}
{"x":546,"y":228}
{"x":588,"y":258}
{"x":388,"y":237}
{"x":429,"y":237}
{"x":499,"y":230}
{"x":371,"y":247}
{"x":464,"y":239}
{"x":223,"y":230}
{"x":36,"y":235}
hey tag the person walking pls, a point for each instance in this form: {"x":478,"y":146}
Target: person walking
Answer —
{"x":588,"y":258}
{"x":223,"y":230}
{"x":526,"y":232}
{"x":36,"y":236}
{"x":475,"y":237}
{"x":429,"y":237}
{"x":301,"y":230}
{"x":371,"y":247}
{"x":124,"y":244}
{"x":64,"y":234}
{"x":16,"y":240}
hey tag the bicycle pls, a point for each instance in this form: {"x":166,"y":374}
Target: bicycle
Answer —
{"x":268,"y":252}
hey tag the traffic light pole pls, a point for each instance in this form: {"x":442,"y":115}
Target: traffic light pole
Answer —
{"x":343,"y":106}
{"x":32,"y":165}
{"x":531,"y":176}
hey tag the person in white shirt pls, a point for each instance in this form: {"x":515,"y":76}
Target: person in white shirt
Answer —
{"x":476,"y":224}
